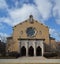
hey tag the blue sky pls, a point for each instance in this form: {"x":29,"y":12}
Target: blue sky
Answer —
{"x":13,"y":12}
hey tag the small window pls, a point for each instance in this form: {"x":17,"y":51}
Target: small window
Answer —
{"x":40,"y":32}
{"x":21,"y":32}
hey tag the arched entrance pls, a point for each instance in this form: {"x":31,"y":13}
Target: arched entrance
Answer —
{"x":38,"y":51}
{"x":31,"y":51}
{"x":23,"y":51}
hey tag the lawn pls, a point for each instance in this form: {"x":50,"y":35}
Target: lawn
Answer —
{"x":7,"y":57}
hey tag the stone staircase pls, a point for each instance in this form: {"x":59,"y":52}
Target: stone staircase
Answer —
{"x":32,"y":58}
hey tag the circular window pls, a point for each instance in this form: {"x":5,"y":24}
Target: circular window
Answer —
{"x":30,"y":31}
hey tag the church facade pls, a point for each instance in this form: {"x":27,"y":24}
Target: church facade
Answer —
{"x":30,"y":38}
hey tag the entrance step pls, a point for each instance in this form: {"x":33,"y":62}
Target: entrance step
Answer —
{"x":32,"y":58}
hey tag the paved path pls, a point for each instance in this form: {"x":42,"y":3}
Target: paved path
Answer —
{"x":32,"y":58}
{"x":29,"y":60}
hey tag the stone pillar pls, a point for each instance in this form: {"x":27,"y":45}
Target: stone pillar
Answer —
{"x":34,"y":48}
{"x":42,"y":48}
{"x":26,"y":51}
{"x":26,"y":48}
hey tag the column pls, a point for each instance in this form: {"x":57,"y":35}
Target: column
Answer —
{"x":26,"y":48}
{"x":20,"y":46}
{"x":42,"y":48}
{"x":34,"y":49}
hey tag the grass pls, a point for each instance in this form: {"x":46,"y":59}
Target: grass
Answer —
{"x":7,"y":57}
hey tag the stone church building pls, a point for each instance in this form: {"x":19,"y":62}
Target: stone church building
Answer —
{"x":30,"y":38}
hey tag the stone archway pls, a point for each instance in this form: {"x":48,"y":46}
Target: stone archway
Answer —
{"x":38,"y":51}
{"x":31,"y":51}
{"x":23,"y":51}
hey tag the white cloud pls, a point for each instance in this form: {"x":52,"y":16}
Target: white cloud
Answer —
{"x":41,"y":11}
{"x":51,"y":31}
{"x":56,"y":8}
{"x":1,"y":26}
{"x":6,"y":20}
{"x":18,"y":15}
{"x":56,"y":11}
{"x":3,"y":4}
{"x":3,"y":34}
{"x":44,"y":7}
{"x":54,"y":34}
{"x":58,"y":21}
{"x":21,"y":14}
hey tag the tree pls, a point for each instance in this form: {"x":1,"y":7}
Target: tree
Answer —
{"x":2,"y":45}
{"x":3,"y":39}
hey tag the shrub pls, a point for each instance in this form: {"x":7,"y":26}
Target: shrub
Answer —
{"x":14,"y":54}
{"x":50,"y":54}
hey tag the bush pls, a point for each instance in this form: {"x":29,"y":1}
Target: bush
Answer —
{"x":50,"y":54}
{"x":54,"y":54}
{"x":14,"y":54}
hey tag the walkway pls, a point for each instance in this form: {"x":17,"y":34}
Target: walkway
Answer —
{"x":29,"y":60}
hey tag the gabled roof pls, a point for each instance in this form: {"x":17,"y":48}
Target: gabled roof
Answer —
{"x":28,"y":20}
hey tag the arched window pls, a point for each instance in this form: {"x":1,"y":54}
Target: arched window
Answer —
{"x":38,"y":51}
{"x":23,"y":51}
{"x":31,"y":51}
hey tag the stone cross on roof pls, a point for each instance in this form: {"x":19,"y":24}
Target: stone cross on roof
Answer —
{"x":31,"y":18}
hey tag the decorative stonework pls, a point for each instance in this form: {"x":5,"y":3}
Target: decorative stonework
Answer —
{"x":32,"y":43}
{"x":31,"y":31}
